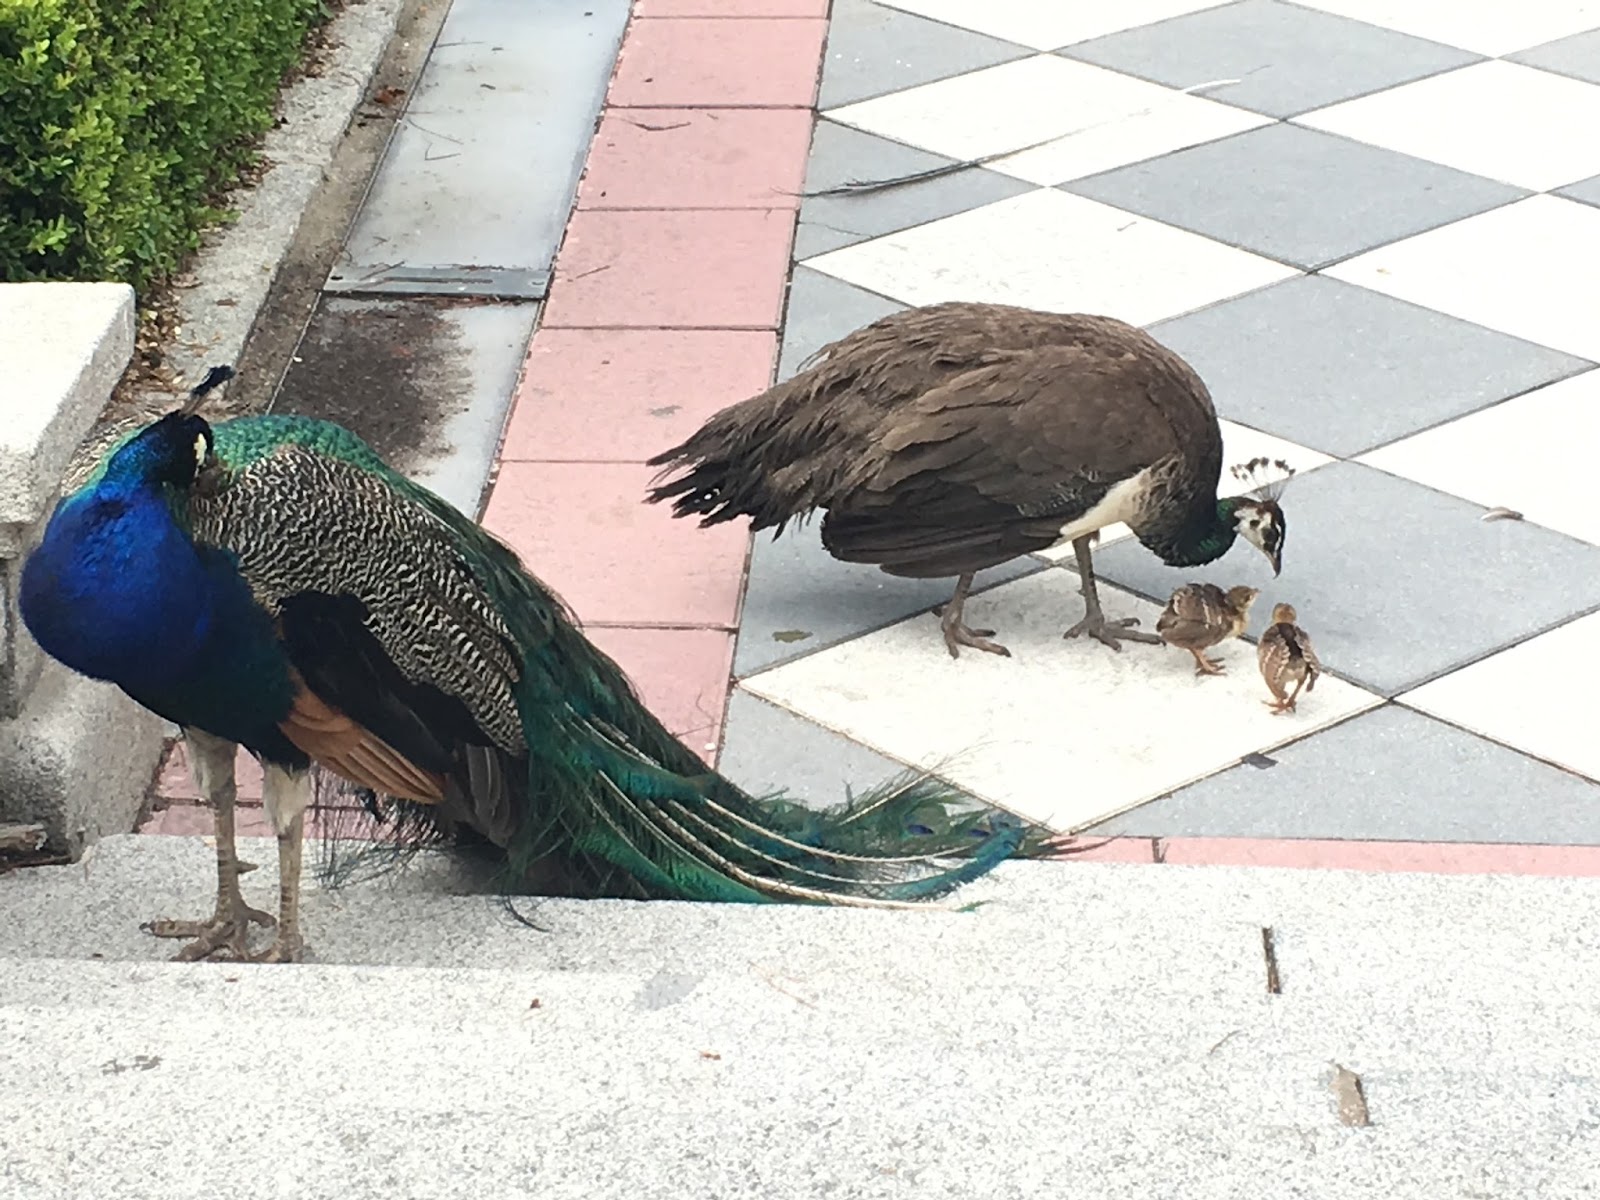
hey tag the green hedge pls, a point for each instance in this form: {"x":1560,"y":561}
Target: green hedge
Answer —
{"x":122,"y":120}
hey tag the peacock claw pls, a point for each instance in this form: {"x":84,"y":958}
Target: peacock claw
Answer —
{"x":957,"y":635}
{"x":283,"y":950}
{"x":1101,"y":630}
{"x":226,"y":936}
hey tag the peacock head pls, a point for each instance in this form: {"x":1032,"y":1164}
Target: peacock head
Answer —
{"x":1257,"y":517}
{"x":172,"y":452}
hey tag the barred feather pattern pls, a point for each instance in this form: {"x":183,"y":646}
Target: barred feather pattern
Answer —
{"x":423,"y":603}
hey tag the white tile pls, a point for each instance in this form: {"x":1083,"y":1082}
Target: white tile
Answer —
{"x":1492,"y":27}
{"x":1240,"y":444}
{"x":1065,"y":732}
{"x":1505,"y":121}
{"x":1056,"y":252}
{"x":1049,"y":24}
{"x":1100,"y":119}
{"x":1537,"y":697}
{"x":1526,"y":269}
{"x":1534,"y":454}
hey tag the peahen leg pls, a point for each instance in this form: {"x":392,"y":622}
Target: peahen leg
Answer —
{"x":228,"y":930}
{"x":956,"y":631}
{"x":1094,"y":623}
{"x":286,"y":795}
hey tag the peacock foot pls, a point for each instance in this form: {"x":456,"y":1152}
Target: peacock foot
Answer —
{"x":226,"y":934}
{"x":1111,"y":633}
{"x":957,"y":635}
{"x":284,"y":949}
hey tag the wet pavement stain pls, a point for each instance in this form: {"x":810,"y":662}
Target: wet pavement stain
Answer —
{"x":392,"y":371}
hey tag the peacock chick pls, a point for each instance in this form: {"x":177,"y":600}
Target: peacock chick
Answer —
{"x":944,"y":440}
{"x":1202,"y":615}
{"x":269,"y":582}
{"x":1286,"y":657}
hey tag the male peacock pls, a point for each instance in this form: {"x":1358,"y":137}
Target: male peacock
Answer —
{"x":269,"y":582}
{"x":947,"y":439}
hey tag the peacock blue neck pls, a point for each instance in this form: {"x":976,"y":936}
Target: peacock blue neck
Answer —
{"x":116,"y":589}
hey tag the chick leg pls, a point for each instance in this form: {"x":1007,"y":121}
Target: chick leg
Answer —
{"x":286,"y":795}
{"x":228,"y":930}
{"x":1285,"y":703}
{"x":1207,"y":666}
{"x":956,"y":631}
{"x":1094,"y":623}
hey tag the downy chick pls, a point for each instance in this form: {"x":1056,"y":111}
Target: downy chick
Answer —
{"x":1200,"y":615}
{"x":1286,"y":657}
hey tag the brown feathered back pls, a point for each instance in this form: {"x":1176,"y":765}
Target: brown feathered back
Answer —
{"x":953,"y":416}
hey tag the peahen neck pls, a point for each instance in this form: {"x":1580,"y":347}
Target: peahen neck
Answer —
{"x":1202,"y":537}
{"x":116,"y":590}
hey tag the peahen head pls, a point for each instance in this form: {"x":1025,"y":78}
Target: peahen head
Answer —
{"x":116,"y":589}
{"x":1257,"y":517}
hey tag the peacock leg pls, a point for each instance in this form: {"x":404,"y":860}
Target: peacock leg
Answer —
{"x":1094,"y":623}
{"x":228,"y":930}
{"x":956,"y":631}
{"x":286,"y":795}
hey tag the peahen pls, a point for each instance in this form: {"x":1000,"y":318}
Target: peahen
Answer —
{"x":951,"y":438}
{"x":269,"y":582}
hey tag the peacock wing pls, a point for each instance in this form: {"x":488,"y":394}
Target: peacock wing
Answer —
{"x":405,"y":669}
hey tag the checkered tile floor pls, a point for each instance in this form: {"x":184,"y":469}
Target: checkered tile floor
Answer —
{"x":1373,"y":228}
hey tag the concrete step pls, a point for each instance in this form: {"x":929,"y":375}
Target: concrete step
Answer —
{"x":1095,"y":1030}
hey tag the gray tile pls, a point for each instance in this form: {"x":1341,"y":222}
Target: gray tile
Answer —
{"x":498,"y":128}
{"x":1577,"y":56}
{"x":823,"y":309}
{"x":767,"y":749}
{"x":1395,"y":583}
{"x":1343,"y":370}
{"x":873,"y":50}
{"x":799,"y":598}
{"x":1288,"y":59}
{"x":1388,"y":775}
{"x":1297,"y":195}
{"x":841,"y":155}
{"x":1587,"y":190}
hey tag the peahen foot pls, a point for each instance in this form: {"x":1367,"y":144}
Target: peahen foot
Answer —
{"x":1111,"y":633}
{"x":1094,"y":623}
{"x":956,"y":631}
{"x":227,"y":932}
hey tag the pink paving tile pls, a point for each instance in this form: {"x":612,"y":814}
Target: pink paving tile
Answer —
{"x":622,"y":395}
{"x":681,"y":674}
{"x":697,"y":158}
{"x":584,"y":529}
{"x":1432,"y":857}
{"x":730,"y":8}
{"x":1088,"y":848}
{"x":729,"y":62}
{"x":175,"y":781}
{"x":704,"y":269}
